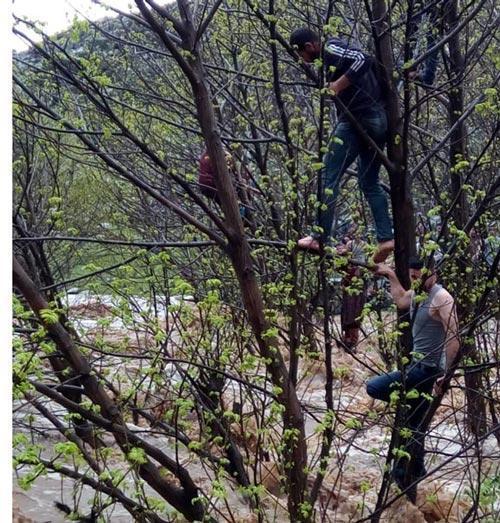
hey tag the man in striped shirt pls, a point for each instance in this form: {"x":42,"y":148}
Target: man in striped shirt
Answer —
{"x":353,"y":83}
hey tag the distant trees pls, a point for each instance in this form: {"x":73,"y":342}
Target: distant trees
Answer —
{"x":110,"y":119}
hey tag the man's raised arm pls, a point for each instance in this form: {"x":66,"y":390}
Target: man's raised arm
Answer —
{"x":401,"y":297}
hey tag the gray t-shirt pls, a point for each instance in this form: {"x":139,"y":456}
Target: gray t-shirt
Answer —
{"x":428,"y":333}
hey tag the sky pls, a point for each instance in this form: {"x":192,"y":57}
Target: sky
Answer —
{"x":58,"y":14}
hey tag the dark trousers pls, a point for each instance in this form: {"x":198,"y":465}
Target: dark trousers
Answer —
{"x":426,"y":22}
{"x":352,"y":302}
{"x":344,"y":147}
{"x":421,"y":378}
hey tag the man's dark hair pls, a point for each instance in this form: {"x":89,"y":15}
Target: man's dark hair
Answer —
{"x":418,"y":263}
{"x":301,"y":36}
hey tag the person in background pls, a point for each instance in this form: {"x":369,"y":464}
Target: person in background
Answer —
{"x":206,"y":183}
{"x":354,"y":290}
{"x":206,"y":175}
{"x":425,"y":22}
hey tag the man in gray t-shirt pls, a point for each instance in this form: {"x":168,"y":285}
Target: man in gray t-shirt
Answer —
{"x":435,"y":346}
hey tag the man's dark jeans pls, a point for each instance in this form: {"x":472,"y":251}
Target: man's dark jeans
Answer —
{"x":421,"y":378}
{"x":428,"y":19}
{"x":344,"y":147}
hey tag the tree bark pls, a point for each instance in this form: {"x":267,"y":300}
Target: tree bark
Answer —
{"x":402,"y":203}
{"x":476,"y":406}
{"x":238,"y":249}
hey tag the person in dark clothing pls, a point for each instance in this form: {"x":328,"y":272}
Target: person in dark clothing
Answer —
{"x":206,"y":183}
{"x":354,"y":290}
{"x":353,"y":82}
{"x":435,"y":345}
{"x":351,"y":309}
{"x":206,"y":178}
{"x":424,"y":21}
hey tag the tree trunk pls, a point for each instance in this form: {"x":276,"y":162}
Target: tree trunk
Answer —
{"x":402,"y":203}
{"x":402,"y":206}
{"x":239,"y":252}
{"x":295,"y":448}
{"x":476,"y":407}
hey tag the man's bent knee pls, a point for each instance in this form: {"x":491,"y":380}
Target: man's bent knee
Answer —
{"x":374,"y":389}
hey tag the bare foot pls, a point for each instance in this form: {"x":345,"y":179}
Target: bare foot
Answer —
{"x":308,"y":243}
{"x":383,"y":250}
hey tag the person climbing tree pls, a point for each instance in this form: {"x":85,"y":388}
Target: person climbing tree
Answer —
{"x":354,"y":290}
{"x":353,"y":82}
{"x":435,"y":346}
{"x":425,"y":21}
{"x":206,"y":183}
{"x":206,"y":175}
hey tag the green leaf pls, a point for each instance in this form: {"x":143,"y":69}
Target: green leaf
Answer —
{"x":317,"y":166}
{"x":137,"y":456}
{"x":49,"y":316}
{"x":412,"y":394}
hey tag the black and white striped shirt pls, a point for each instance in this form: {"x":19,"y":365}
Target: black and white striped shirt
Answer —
{"x":364,"y":92}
